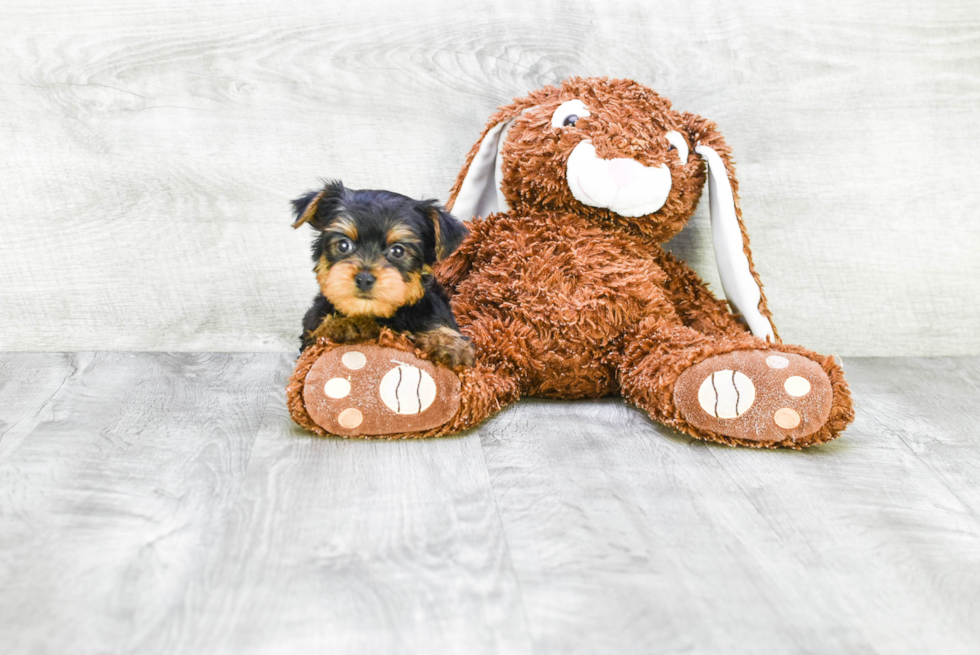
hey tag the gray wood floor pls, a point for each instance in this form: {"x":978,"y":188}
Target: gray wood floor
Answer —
{"x":164,"y":503}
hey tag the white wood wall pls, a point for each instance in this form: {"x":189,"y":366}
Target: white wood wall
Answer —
{"x":148,"y":151}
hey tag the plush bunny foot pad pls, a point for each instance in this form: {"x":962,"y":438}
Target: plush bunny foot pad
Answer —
{"x":365,"y":389}
{"x":756,"y":395}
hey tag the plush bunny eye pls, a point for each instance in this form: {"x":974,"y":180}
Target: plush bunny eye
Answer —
{"x":678,"y":143}
{"x":568,"y":113}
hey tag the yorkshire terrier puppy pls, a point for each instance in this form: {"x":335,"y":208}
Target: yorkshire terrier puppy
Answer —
{"x":373,"y":255}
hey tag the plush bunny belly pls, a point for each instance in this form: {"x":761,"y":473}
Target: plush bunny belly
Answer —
{"x":567,"y":291}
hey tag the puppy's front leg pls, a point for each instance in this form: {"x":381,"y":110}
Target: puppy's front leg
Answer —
{"x":446,"y":346}
{"x":345,"y":329}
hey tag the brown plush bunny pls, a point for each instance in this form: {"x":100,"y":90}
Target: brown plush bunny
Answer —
{"x":566,"y":291}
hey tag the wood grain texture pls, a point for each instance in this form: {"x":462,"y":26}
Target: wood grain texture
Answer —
{"x":29,"y":382}
{"x":151,"y":149}
{"x":165,"y":504}
{"x":628,"y":538}
{"x":111,"y":502}
{"x":352,"y":546}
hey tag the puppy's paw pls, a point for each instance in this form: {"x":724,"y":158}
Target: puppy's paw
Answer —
{"x":447,"y":347}
{"x":344,"y":329}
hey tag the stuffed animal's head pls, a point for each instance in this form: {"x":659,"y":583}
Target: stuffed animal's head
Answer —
{"x":614,"y":151}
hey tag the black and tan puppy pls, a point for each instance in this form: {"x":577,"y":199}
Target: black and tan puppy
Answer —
{"x":373,"y":256}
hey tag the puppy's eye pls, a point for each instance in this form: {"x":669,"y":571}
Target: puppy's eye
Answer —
{"x":568,"y":114}
{"x":396,"y":251}
{"x":344,"y":246}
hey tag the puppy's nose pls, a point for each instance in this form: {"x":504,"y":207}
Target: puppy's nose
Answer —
{"x":364,"y":281}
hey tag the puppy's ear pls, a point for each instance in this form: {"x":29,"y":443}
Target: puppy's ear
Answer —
{"x":448,"y":231}
{"x":307,"y":207}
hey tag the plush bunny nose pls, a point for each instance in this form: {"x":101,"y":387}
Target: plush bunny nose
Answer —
{"x":364,"y":281}
{"x":624,"y":172}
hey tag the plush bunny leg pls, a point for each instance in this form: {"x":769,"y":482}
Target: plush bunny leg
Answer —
{"x":734,"y":389}
{"x":389,"y":388}
{"x":483,"y":392}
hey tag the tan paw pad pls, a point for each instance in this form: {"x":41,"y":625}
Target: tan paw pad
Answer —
{"x":776,"y":361}
{"x":786,"y":418}
{"x":407,"y":389}
{"x":755,"y":395}
{"x":354,"y":360}
{"x":797,"y":386}
{"x":350,"y":418}
{"x":337,"y":388}
{"x":726,"y":394}
{"x":371,"y":390}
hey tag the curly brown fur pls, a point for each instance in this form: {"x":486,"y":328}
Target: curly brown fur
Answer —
{"x":574,"y":301}
{"x":296,"y":382}
{"x":633,"y":123}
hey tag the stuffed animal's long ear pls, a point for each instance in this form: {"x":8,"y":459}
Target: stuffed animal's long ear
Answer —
{"x":448,"y":231}
{"x":477,"y":189}
{"x":741,"y":283}
{"x":306,"y":207}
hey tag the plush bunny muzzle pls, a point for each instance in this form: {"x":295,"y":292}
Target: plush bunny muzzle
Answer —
{"x":622,"y":185}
